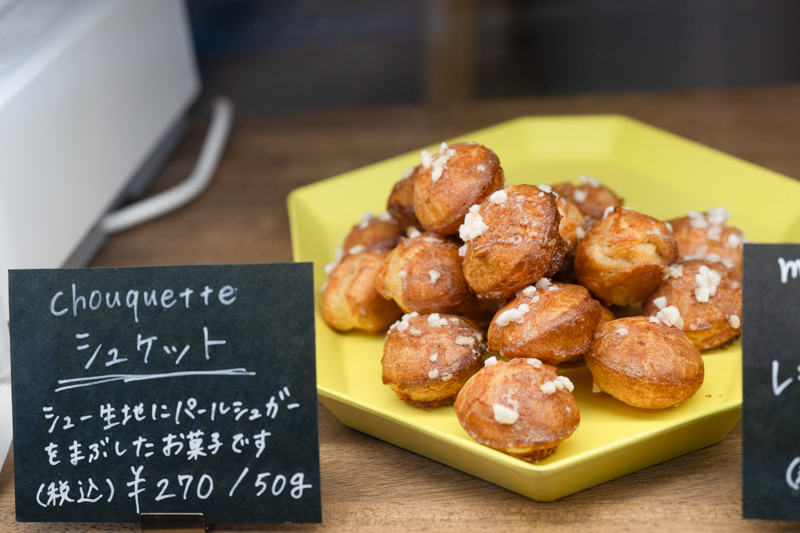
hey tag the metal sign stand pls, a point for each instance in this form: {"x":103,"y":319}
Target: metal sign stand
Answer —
{"x":172,"y":522}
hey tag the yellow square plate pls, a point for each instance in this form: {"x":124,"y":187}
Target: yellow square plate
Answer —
{"x":657,"y":173}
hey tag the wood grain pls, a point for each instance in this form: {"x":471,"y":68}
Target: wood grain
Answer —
{"x":367,"y":484}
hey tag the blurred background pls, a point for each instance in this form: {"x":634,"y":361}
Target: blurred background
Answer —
{"x":311,"y":54}
{"x":322,"y":87}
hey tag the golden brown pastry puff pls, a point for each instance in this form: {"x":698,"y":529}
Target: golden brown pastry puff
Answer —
{"x":349,"y":298}
{"x":428,"y":358}
{"x":552,"y":322}
{"x":522,"y":408}
{"x":591,"y":197}
{"x":709,"y":298}
{"x":621,"y":258}
{"x":424,"y":274}
{"x":707,"y":236}
{"x":401,"y":199}
{"x":512,"y":241}
{"x":382,"y":231}
{"x":452,"y":180}
{"x":571,"y":227}
{"x":646,"y":362}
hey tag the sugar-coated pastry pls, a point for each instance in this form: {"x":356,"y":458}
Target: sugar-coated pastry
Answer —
{"x":371,"y":232}
{"x":382,"y":231}
{"x":424,"y":274}
{"x":522,"y":408}
{"x":707,"y":236}
{"x":349,"y":298}
{"x":512,"y":241}
{"x":591,"y":197}
{"x":552,"y":322}
{"x":646,"y":362}
{"x":452,"y":180}
{"x":401,"y":199}
{"x":428,"y":358}
{"x":621,"y":258}
{"x":709,"y":298}
{"x":571,"y":227}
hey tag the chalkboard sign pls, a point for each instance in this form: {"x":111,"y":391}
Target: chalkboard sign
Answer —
{"x":165,"y":390}
{"x":771,"y":409}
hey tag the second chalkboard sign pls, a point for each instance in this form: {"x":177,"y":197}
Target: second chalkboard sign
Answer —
{"x":770,"y":414}
{"x":165,"y":389}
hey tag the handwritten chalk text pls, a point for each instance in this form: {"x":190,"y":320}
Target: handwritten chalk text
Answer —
{"x":61,"y":305}
{"x":789,"y":267}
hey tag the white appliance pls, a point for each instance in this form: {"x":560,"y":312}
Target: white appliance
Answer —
{"x":93,"y":94}
{"x":89,"y":91}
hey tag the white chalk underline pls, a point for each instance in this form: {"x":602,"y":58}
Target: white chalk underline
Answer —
{"x":74,"y":383}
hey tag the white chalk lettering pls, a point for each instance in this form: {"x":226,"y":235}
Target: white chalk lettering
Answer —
{"x":75,"y":301}
{"x":53,"y":305}
{"x":113,"y":303}
{"x":188,"y":478}
{"x":88,"y":497}
{"x":227,"y":295}
{"x":133,"y":303}
{"x":39,"y":494}
{"x":206,"y":292}
{"x":74,"y":383}
{"x":778,"y":389}
{"x":91,"y":359}
{"x":133,"y":297}
{"x":260,"y":484}
{"x":792,"y":475}
{"x":241,"y":477}
{"x":205,"y":478}
{"x":137,"y":480}
{"x":148,"y":341}
{"x":210,"y":342}
{"x":150,"y":299}
{"x":114,"y":353}
{"x":298,"y":485}
{"x":164,"y":483}
{"x":278,"y":484}
{"x":185,"y":294}
{"x":789,"y":267}
{"x":167,"y":299}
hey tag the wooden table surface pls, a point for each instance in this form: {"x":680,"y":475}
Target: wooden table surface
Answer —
{"x":367,"y":484}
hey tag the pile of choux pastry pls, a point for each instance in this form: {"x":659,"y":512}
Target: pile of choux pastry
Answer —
{"x":484,"y":289}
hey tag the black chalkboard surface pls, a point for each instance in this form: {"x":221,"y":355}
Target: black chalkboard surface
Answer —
{"x":771,"y":407}
{"x":165,"y":389}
